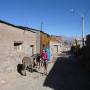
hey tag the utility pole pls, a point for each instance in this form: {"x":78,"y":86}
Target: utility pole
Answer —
{"x":41,"y":46}
{"x":41,"y":26}
{"x":82,"y":17}
{"x":82,"y":30}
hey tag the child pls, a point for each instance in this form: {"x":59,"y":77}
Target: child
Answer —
{"x":44,"y":57}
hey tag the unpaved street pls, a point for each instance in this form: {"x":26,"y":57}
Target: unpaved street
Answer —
{"x":65,"y":74}
{"x":33,"y":81}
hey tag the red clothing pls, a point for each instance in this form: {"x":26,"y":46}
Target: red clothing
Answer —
{"x":44,"y":56}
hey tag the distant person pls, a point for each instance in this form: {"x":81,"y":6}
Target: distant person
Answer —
{"x":44,"y":57}
{"x":48,"y":52}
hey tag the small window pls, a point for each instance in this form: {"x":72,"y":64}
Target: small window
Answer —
{"x":18,"y":46}
{"x":31,"y":45}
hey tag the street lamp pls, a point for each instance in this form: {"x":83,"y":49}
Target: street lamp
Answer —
{"x":82,"y":17}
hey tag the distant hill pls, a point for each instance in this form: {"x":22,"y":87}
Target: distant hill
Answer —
{"x":69,"y":38}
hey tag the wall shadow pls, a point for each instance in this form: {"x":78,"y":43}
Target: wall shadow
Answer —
{"x":67,"y":74}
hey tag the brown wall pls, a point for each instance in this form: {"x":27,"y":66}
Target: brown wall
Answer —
{"x":9,"y":56}
{"x":44,"y":40}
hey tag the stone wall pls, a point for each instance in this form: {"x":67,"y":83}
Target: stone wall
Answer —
{"x":9,"y":56}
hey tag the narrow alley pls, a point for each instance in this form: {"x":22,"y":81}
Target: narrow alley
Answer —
{"x":64,"y":74}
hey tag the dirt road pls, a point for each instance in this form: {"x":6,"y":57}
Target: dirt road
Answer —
{"x":33,"y":81}
{"x":64,"y":74}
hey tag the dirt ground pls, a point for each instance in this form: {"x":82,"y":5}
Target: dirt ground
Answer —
{"x":65,"y":73}
{"x":33,"y":81}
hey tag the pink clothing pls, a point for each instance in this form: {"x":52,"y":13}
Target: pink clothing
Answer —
{"x":44,"y":56}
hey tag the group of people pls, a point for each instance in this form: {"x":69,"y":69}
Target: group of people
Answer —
{"x":42,"y":60}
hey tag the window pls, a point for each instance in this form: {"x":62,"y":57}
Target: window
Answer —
{"x":18,"y":45}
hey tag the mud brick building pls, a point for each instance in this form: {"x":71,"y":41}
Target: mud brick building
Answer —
{"x":15,"y":43}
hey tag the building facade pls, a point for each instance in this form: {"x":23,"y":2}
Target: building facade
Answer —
{"x":15,"y":43}
{"x":42,"y":40}
{"x":56,"y":46}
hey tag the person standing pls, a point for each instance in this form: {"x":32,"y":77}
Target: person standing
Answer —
{"x":44,"y":57}
{"x":48,"y":52}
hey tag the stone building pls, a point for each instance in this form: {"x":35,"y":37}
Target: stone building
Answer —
{"x":42,"y":40}
{"x":15,"y":43}
{"x":56,"y":45}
